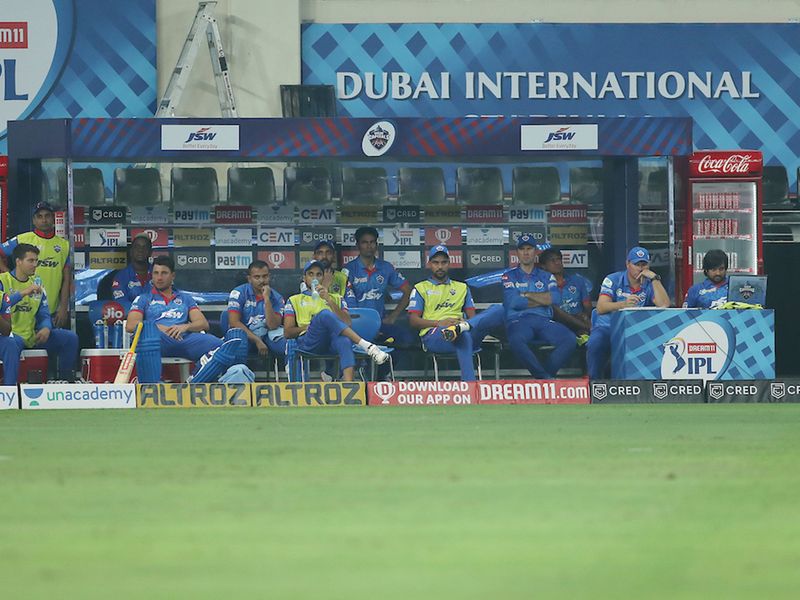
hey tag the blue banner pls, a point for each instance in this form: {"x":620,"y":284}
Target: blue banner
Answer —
{"x":64,"y":58}
{"x":738,"y":82}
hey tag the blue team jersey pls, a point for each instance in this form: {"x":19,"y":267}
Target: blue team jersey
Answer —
{"x":127,"y":284}
{"x":250,"y":307}
{"x":155,"y":306}
{"x":371,"y":285}
{"x":617,"y":287}
{"x":706,"y":294}
{"x":516,"y":282}
{"x":574,"y":294}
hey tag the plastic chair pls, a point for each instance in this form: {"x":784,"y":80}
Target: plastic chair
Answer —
{"x":137,"y":186}
{"x":368,"y":185}
{"x":308,"y":186}
{"x":88,"y":188}
{"x":254,"y":186}
{"x":479,"y":185}
{"x":775,"y":185}
{"x":422,"y":185}
{"x":535,"y":185}
{"x":586,"y":185}
{"x":195,"y":186}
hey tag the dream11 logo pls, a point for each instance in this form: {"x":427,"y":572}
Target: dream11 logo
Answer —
{"x":35,"y":39}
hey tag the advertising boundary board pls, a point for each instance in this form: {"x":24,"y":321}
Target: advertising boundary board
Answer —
{"x":625,"y":391}
{"x":753,"y":391}
{"x":77,"y":395}
{"x":9,"y":397}
{"x":322,"y":394}
{"x":192,"y":395}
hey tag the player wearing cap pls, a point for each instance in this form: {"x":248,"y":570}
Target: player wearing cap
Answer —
{"x":53,"y":267}
{"x":334,"y":280}
{"x":135,"y":278}
{"x":30,"y":314}
{"x":528,"y":294}
{"x":257,"y":309}
{"x":320,"y":322}
{"x":372,"y":278}
{"x":573,"y":306}
{"x":712,"y":292}
{"x":437,"y":307}
{"x":634,"y":287}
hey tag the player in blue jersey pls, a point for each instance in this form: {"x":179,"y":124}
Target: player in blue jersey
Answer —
{"x":634,"y":287}
{"x":572,"y":306}
{"x":372,"y":278}
{"x":135,"y":278}
{"x":249,"y":310}
{"x":712,"y":292}
{"x":528,"y":298}
{"x":175,"y":313}
{"x":9,"y":351}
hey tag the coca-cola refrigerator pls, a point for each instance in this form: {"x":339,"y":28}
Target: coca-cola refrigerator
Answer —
{"x":723,"y":212}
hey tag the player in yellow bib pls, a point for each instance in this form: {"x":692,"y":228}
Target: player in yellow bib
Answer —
{"x":321,"y":324}
{"x":31,"y":325}
{"x":437,"y":308}
{"x":53,"y":267}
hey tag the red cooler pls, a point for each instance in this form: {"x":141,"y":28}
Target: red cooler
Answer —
{"x":100,"y":366}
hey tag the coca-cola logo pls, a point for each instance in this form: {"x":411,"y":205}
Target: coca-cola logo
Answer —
{"x":735,"y":163}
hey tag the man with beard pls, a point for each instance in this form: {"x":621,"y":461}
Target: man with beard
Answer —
{"x":712,"y":292}
{"x":53,"y":267}
{"x":133,"y":279}
{"x":634,"y":287}
{"x":334,"y":280}
{"x":437,"y":307}
{"x":572,"y":307}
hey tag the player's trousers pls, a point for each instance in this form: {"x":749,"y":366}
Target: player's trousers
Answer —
{"x":598,"y":350}
{"x":61,"y":345}
{"x":464,"y":345}
{"x":191,"y":347}
{"x":523,"y":331}
{"x":324,"y":336}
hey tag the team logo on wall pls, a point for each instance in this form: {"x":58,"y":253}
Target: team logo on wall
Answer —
{"x":378,"y":139}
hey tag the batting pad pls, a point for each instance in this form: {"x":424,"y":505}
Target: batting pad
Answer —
{"x":216,"y":362}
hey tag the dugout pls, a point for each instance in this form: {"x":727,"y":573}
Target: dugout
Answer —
{"x":217,"y":193}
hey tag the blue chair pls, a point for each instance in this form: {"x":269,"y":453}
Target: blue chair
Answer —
{"x":223,"y":325}
{"x":366,"y":322}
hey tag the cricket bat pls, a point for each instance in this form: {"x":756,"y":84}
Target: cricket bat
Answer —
{"x":129,"y":360}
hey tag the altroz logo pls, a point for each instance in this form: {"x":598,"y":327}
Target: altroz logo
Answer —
{"x":201,"y":135}
{"x":560,"y":135}
{"x":309,"y":394}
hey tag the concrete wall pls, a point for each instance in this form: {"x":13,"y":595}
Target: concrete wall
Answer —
{"x":262,"y":37}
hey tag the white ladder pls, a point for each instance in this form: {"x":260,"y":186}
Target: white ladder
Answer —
{"x":204,"y":22}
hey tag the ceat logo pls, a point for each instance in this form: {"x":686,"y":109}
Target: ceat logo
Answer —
{"x":378,"y":139}
{"x":698,"y":351}
{"x":599,"y":390}
{"x":385,"y":390}
{"x":201,"y":135}
{"x":34,"y":46}
{"x":559,"y":135}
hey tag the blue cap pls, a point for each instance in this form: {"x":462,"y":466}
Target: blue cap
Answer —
{"x":638,"y":254}
{"x":526,"y":239}
{"x":43,"y":206}
{"x":438,"y":250}
{"x":329,"y":243}
{"x":313,"y":263}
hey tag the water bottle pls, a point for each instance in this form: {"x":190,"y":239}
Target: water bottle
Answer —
{"x":37,"y":281}
{"x":99,"y":334}
{"x":314,"y":292}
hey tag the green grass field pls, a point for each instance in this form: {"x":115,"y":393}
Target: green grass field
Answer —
{"x":676,"y":501}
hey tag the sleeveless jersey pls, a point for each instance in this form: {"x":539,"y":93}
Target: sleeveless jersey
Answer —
{"x":305,"y":307}
{"x":23,"y":313}
{"x":53,"y":255}
{"x":437,"y":301}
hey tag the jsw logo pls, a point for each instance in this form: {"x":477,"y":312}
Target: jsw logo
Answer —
{"x":560,"y":135}
{"x":201,"y":135}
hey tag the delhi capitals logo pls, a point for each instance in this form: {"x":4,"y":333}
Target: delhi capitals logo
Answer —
{"x":35,"y":41}
{"x":378,"y":139}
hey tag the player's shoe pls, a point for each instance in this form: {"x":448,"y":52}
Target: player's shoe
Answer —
{"x":582,"y":339}
{"x":378,"y":355}
{"x":451,"y":333}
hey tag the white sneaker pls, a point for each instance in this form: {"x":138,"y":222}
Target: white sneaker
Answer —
{"x":325,"y":376}
{"x":378,"y":355}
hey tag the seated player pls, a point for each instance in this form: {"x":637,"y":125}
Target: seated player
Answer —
{"x":634,"y":287}
{"x":31,"y":323}
{"x":334,"y":280}
{"x":257,"y":309}
{"x":573,"y":306}
{"x":320,"y":323}
{"x":713,"y":292}
{"x":135,"y":278}
{"x":436,"y":308}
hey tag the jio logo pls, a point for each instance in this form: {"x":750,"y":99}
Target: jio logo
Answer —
{"x":113,"y":312}
{"x":35,"y":38}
